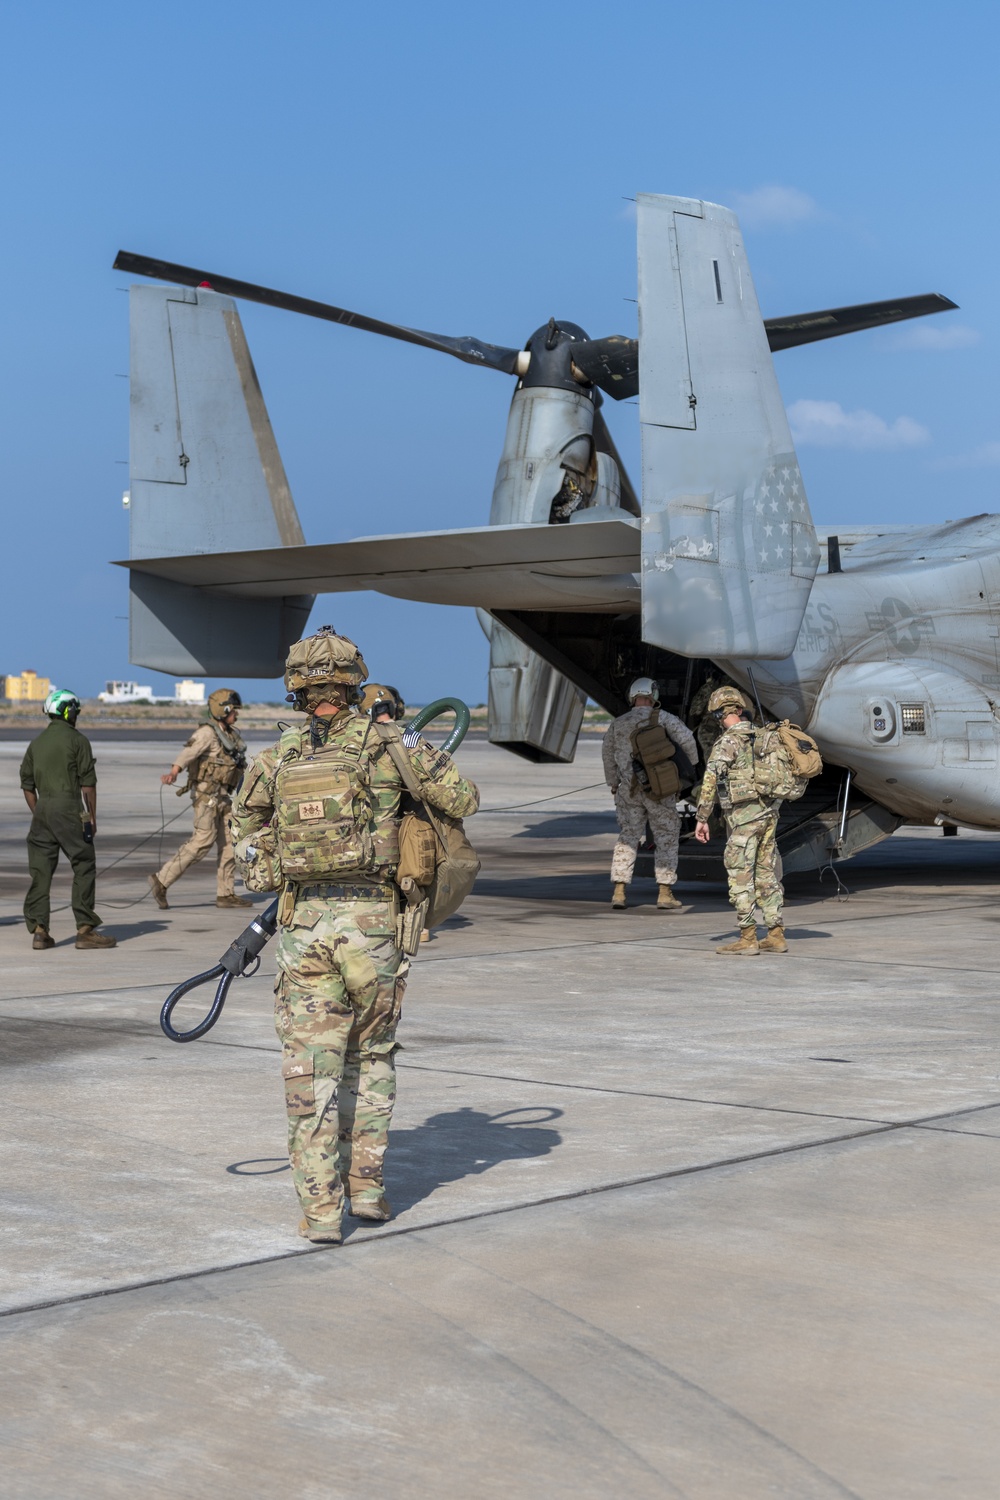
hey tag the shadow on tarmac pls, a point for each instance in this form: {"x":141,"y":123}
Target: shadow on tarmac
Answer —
{"x":571,"y":826}
{"x":461,"y":1143}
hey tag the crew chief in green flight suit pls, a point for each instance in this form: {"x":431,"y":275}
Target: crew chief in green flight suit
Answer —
{"x":59,"y":782}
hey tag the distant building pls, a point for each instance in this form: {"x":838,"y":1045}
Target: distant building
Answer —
{"x":187,"y":693}
{"x":27,"y":687}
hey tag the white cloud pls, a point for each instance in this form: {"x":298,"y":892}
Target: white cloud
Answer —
{"x":930,"y":336}
{"x":826,"y":424}
{"x":986,"y":456}
{"x":774,"y":206}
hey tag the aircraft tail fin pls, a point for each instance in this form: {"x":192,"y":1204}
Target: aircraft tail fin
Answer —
{"x":728,"y":546}
{"x":205,"y":475}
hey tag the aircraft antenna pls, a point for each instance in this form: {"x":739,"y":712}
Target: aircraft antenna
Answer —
{"x":760,"y":711}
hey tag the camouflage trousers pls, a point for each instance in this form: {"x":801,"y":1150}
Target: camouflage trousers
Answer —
{"x":635,"y":810}
{"x":211,"y":830}
{"x":338,"y":997}
{"x":751,"y":861}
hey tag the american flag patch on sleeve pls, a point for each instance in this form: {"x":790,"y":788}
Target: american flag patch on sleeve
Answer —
{"x":411,"y":738}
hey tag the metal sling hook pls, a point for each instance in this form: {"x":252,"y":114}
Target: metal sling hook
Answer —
{"x":240,"y":959}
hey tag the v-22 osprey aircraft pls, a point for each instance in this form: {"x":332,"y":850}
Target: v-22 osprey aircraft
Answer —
{"x":883,"y":642}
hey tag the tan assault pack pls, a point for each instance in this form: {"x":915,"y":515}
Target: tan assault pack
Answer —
{"x":785,"y":759}
{"x":437,"y":864}
{"x":656,"y":752}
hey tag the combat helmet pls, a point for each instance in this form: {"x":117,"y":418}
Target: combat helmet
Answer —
{"x":61,"y":704}
{"x":222,"y":700}
{"x":319,"y":660}
{"x":644,"y":687}
{"x":729,"y":700}
{"x":382,"y":698}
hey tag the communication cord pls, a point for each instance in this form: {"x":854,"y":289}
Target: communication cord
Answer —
{"x":165,"y":823}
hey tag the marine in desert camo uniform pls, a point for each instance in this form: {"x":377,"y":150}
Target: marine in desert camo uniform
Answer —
{"x":214,"y":758}
{"x":341,"y":975}
{"x":634,"y":805}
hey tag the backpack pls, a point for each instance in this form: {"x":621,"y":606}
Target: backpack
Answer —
{"x":666,"y":767}
{"x":323,"y":809}
{"x":785,"y":759}
{"x":434,"y":852}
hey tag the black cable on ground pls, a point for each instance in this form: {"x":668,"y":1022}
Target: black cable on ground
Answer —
{"x":126,"y":905}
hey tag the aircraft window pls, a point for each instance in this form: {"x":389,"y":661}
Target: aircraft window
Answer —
{"x":913,"y":717}
{"x":718,"y":281}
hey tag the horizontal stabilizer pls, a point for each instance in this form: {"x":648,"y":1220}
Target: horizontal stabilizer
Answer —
{"x":589,"y":565}
{"x":728,"y":547}
{"x":806,"y":328}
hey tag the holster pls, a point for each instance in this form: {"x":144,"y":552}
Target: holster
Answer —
{"x":410,"y":921}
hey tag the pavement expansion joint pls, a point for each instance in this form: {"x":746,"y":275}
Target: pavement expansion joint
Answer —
{"x":597,"y":1088}
{"x":397,"y":1230}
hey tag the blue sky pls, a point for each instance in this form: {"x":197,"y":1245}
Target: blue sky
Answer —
{"x":467,"y":169}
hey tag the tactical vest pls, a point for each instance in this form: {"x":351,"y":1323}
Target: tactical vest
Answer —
{"x":221,"y":765}
{"x":323,"y":809}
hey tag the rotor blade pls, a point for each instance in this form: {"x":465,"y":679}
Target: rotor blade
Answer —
{"x":606,"y":444}
{"x":611,"y":363}
{"x":471,"y":350}
{"x":806,"y":328}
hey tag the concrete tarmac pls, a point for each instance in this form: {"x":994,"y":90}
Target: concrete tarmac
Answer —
{"x":667,"y":1224}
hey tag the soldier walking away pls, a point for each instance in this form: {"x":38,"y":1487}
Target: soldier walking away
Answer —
{"x":59,"y":781}
{"x":635,"y":801}
{"x":214,"y":758}
{"x":324,"y":803}
{"x":751,"y":856}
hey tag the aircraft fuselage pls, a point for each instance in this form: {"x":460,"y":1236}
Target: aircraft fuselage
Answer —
{"x":896,"y":670}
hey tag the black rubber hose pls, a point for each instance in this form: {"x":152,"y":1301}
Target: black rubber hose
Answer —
{"x":233,"y":964}
{"x":215,"y":1011}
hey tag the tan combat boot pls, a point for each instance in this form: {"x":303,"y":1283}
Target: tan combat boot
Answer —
{"x":666,"y":900}
{"x":232,"y":900}
{"x":747,"y":945}
{"x":40,"y":938}
{"x":159,"y":891}
{"x":320,"y":1234}
{"x":618,"y":896}
{"x":775,"y":941}
{"x":89,"y":937}
{"x":371,"y":1210}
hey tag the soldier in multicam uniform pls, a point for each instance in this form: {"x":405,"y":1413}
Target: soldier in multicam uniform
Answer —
{"x":635,"y":805}
{"x":214,"y":758}
{"x":751,"y":856}
{"x":341,"y":971}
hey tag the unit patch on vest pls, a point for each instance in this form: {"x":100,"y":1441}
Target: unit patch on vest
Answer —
{"x":310,"y":812}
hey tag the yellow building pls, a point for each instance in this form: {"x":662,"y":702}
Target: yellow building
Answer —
{"x":28,"y":687}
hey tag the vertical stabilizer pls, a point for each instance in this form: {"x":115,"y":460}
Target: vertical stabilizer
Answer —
{"x":728,"y":546}
{"x":205,"y":476}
